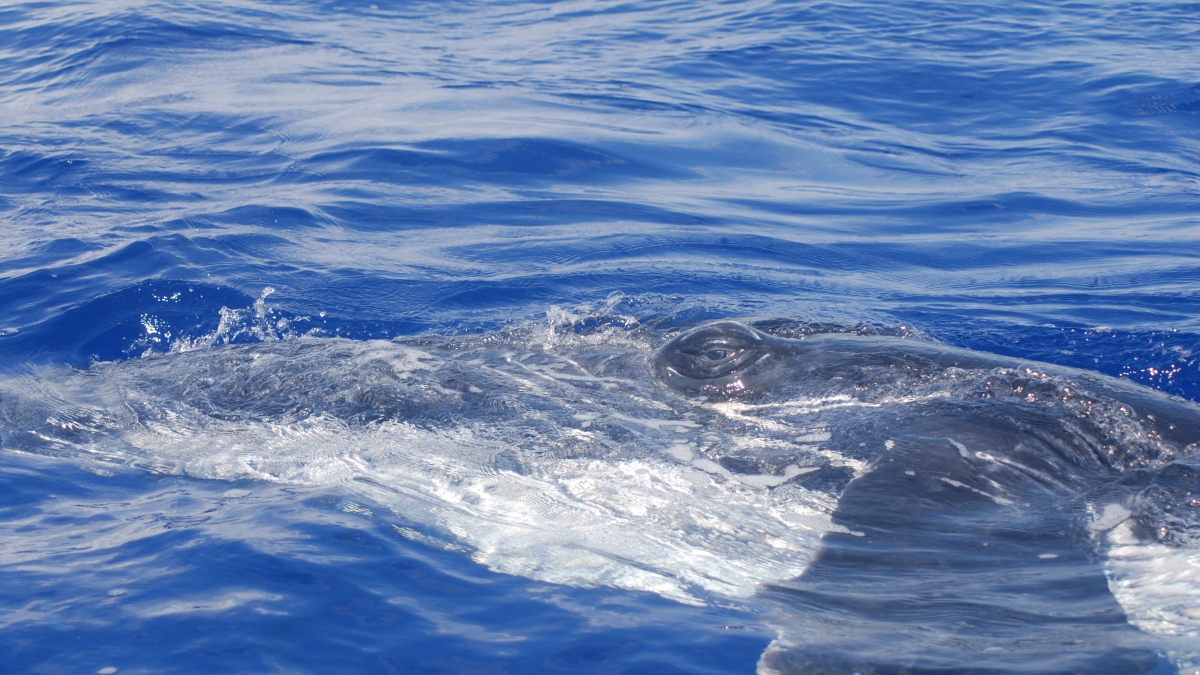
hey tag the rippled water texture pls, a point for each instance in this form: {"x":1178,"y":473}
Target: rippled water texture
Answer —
{"x":183,"y":185}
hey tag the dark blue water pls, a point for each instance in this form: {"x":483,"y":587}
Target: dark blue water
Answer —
{"x":1016,"y":178}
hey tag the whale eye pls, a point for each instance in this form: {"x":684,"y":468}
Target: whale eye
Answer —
{"x":710,"y":355}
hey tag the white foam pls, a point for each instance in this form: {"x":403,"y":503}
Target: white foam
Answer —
{"x":1157,"y":585}
{"x":1159,"y":588}
{"x":681,"y":452}
{"x":768,"y":480}
{"x":1110,"y":517}
{"x":639,"y":524}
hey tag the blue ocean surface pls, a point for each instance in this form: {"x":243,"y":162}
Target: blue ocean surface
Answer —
{"x":324,"y":333}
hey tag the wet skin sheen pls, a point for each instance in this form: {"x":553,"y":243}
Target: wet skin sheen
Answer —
{"x":987,"y":583}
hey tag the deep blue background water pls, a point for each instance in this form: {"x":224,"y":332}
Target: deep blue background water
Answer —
{"x":1022,"y":178}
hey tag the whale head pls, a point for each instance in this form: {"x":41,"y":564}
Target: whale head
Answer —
{"x":725,"y":358}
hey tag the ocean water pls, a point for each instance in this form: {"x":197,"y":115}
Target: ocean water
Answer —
{"x":326,"y":333}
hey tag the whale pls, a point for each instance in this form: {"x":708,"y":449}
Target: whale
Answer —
{"x":886,"y":504}
{"x":978,"y":499}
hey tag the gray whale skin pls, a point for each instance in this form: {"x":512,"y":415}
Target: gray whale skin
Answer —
{"x":971,"y":548}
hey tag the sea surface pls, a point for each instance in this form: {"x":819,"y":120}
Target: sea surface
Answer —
{"x":518,"y":201}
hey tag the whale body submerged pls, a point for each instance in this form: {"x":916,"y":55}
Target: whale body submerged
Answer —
{"x":979,"y":498}
{"x":1013,"y":514}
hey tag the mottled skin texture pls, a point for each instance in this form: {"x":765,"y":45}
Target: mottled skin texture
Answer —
{"x":972,"y":530}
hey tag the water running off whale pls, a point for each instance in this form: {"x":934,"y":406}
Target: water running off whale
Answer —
{"x":846,"y":482}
